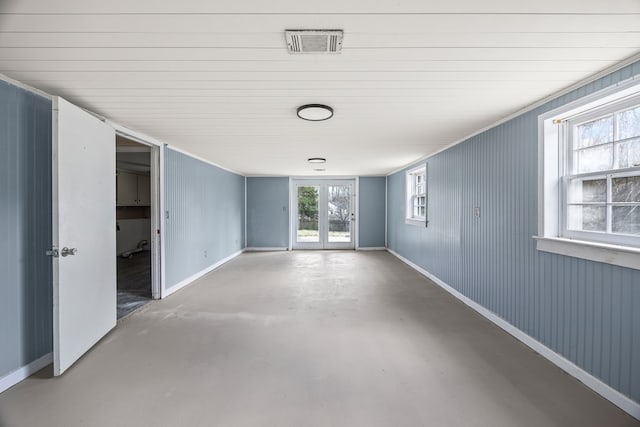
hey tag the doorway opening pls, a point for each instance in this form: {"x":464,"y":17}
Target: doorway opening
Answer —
{"x":136,"y":229}
{"x":324,"y":214}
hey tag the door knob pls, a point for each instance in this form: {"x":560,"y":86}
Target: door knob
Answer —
{"x":68,"y":251}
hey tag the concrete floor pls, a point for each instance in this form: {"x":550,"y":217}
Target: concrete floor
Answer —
{"x":308,"y":339}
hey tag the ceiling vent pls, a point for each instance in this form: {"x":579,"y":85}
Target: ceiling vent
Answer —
{"x":314,"y":41}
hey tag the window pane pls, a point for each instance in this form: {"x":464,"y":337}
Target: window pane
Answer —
{"x":595,"y":132}
{"x":308,"y":215}
{"x":418,"y":207}
{"x":587,"y":218}
{"x":588,"y":190}
{"x":628,"y":153}
{"x":626,"y":219}
{"x":594,"y":159}
{"x":339,"y":211}
{"x":625,"y":189}
{"x":629,"y":123}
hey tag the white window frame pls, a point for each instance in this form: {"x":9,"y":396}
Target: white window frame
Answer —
{"x":553,"y":134}
{"x":412,"y":195}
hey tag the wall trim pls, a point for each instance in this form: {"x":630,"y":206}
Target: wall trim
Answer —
{"x":134,"y":135}
{"x":24,"y":86}
{"x":246,"y":234}
{"x":199,"y":274}
{"x":624,"y":256}
{"x":356,"y":210}
{"x":386,"y":210}
{"x":371,"y":248}
{"x":600,"y":74}
{"x":266,"y":249}
{"x":291,"y":218}
{"x":24,"y":372}
{"x":202,"y":159}
{"x":620,"y":400}
{"x":163,"y":221}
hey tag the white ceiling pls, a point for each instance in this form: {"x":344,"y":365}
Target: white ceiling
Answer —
{"x":214,"y":77}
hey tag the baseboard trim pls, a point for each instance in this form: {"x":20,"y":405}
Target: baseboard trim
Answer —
{"x":620,"y":400}
{"x":372,"y":248}
{"x":24,"y":372}
{"x":199,"y":274}
{"x":266,"y":249}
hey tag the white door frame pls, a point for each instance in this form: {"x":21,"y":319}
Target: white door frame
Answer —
{"x":293,"y":203}
{"x":157,"y":206}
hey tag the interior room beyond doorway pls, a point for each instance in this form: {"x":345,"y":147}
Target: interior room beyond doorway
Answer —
{"x":133,"y":225}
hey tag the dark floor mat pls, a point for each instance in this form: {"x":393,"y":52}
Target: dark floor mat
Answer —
{"x":129,"y":302}
{"x":134,"y":282}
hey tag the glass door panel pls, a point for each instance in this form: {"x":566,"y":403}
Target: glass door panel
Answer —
{"x":339,"y":213}
{"x":308,"y":228}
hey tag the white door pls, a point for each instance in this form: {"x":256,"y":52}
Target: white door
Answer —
{"x":324,"y":214}
{"x":84,"y":232}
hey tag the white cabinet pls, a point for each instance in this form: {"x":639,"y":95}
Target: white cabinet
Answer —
{"x":132,"y":189}
{"x":144,"y":190}
{"x":126,"y":189}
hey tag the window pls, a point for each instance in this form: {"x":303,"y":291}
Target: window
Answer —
{"x":417,"y":195}
{"x":589,"y":191}
{"x":602,"y":180}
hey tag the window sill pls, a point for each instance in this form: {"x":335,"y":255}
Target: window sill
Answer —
{"x":623,"y":256}
{"x":419,"y":222}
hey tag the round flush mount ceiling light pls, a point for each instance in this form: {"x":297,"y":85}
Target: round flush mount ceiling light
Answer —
{"x":315,"y":112}
{"x":317,"y":160}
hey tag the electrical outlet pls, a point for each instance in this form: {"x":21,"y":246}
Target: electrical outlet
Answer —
{"x":476,"y":211}
{"x":205,"y":254}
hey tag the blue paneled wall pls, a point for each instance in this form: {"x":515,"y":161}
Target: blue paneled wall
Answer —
{"x":204,"y":215}
{"x":372,"y":211}
{"x":588,"y":312}
{"x":268,"y":212}
{"x":25,"y":228}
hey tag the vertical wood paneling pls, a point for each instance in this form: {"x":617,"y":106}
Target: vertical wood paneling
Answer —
{"x":588,"y":312}
{"x":25,"y":233}
{"x":267,"y":212}
{"x":205,"y":208}
{"x":371,"y":211}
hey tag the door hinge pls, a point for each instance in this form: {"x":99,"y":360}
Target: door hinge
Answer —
{"x":53,"y":253}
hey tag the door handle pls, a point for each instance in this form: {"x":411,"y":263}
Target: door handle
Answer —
{"x":68,"y":251}
{"x":353,"y":216}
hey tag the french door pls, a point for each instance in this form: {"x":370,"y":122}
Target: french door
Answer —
{"x":324,"y":214}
